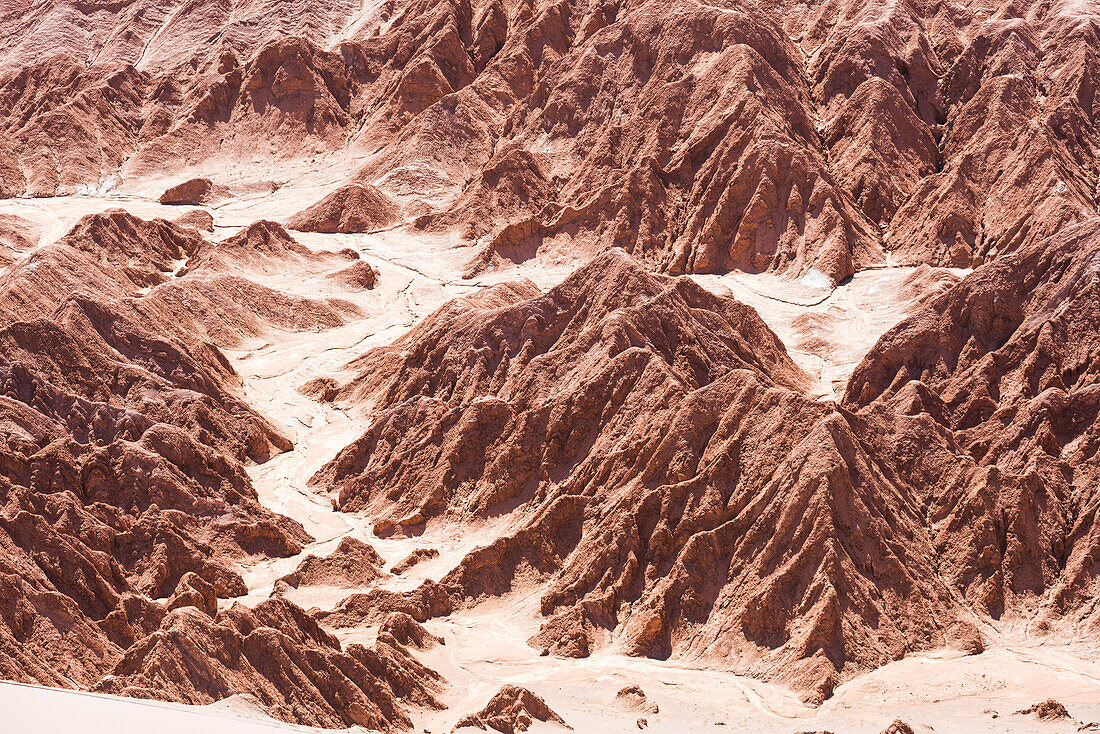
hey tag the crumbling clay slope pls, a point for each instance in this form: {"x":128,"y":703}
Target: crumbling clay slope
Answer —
{"x":125,"y":507}
{"x":678,"y":491}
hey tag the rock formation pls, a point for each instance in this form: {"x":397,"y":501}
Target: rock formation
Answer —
{"x":668,"y":534}
{"x":352,"y":208}
{"x":511,"y":710}
{"x":418,"y":555}
{"x":264,"y":247}
{"x":633,"y":698}
{"x":359,"y":276}
{"x":353,"y":563}
{"x":199,"y":219}
{"x":277,"y":653}
{"x":124,"y":502}
{"x":17,"y":236}
{"x":740,"y":521}
{"x":194,"y":191}
{"x":993,"y":380}
{"x":407,"y":631}
{"x":642,"y":454}
{"x":791,"y":135}
{"x":1049,"y":710}
{"x":898,"y":727}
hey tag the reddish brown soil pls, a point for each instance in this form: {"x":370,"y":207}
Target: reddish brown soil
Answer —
{"x":511,"y":710}
{"x":667,"y":480}
{"x":124,"y":502}
{"x":352,"y":208}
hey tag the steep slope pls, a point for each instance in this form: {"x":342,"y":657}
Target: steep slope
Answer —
{"x":352,"y":208}
{"x":125,"y":507}
{"x":1006,"y":89}
{"x":279,"y":654}
{"x":666,"y":475}
{"x":801,"y":137}
{"x":710,"y":161}
{"x":996,"y":379}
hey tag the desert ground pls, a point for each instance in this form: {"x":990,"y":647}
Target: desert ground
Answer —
{"x":604,"y":365}
{"x":937,"y":691}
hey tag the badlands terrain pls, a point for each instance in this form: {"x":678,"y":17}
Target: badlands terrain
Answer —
{"x":435,"y":365}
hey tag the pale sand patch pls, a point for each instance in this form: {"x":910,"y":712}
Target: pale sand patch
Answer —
{"x":32,"y":709}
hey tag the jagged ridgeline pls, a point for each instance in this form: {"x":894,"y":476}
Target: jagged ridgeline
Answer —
{"x":497,"y":239}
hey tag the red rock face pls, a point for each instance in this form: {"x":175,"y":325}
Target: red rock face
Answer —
{"x":194,"y":191}
{"x":17,"y":236}
{"x":124,"y":502}
{"x":279,"y":654}
{"x":658,"y":443}
{"x":681,"y":495}
{"x":670,"y":483}
{"x":788,"y":135}
{"x":12,"y":180}
{"x":1000,"y":368}
{"x":352,"y":208}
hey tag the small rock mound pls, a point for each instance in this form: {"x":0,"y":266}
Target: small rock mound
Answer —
{"x":1048,"y":710}
{"x":898,"y":727}
{"x":418,"y":555}
{"x":633,"y":698}
{"x":373,"y":606}
{"x":264,"y":246}
{"x":194,"y":591}
{"x":407,"y":631}
{"x":199,"y":219}
{"x":353,"y":563}
{"x":359,"y":276}
{"x":512,"y":709}
{"x":349,"y":209}
{"x":323,"y":389}
{"x":194,"y":191}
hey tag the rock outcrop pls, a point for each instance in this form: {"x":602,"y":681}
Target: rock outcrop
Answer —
{"x":277,"y":653}
{"x":199,"y":219}
{"x":353,"y":563}
{"x":511,"y":710}
{"x":898,"y":727}
{"x":677,"y":489}
{"x":633,"y":698}
{"x":193,"y":192}
{"x":125,"y":507}
{"x":671,"y":487}
{"x":17,"y":236}
{"x":359,"y":276}
{"x":1049,"y":710}
{"x":994,"y":380}
{"x":349,"y":209}
{"x":414,"y":558}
